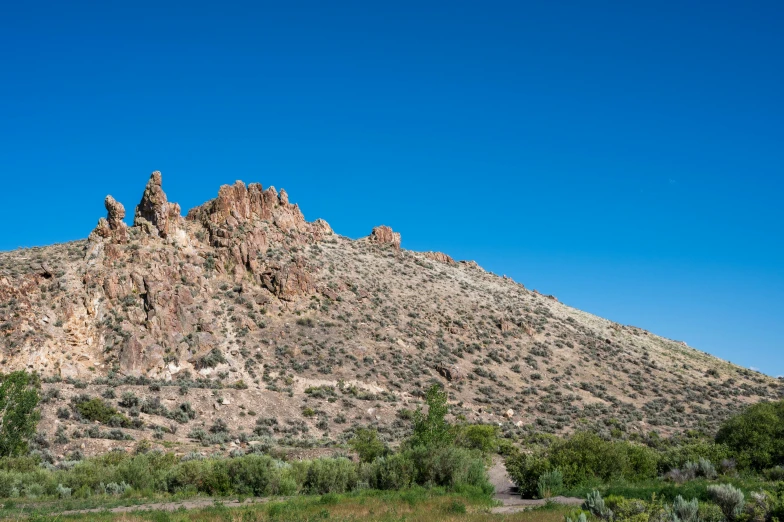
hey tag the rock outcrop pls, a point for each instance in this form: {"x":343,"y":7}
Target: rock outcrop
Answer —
{"x":112,"y":226}
{"x":450,"y":372}
{"x":440,"y":257}
{"x":154,"y":213}
{"x":384,"y":235}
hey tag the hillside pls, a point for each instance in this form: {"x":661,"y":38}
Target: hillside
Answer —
{"x":283,"y":330}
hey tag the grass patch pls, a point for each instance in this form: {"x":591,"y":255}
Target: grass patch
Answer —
{"x":414,"y":505}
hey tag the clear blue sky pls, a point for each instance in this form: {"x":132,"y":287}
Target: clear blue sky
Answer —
{"x":627,"y":157}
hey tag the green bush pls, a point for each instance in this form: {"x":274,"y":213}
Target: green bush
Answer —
{"x":96,"y":409}
{"x":582,"y":458}
{"x":756,"y":436}
{"x":729,"y":499}
{"x":686,"y":511}
{"x":678,"y":455}
{"x":482,"y":437}
{"x":19,"y":396}
{"x":367,"y":445}
{"x":595,"y":504}
{"x":550,"y":483}
{"x":431,"y":429}
{"x":390,"y":472}
{"x":330,"y":476}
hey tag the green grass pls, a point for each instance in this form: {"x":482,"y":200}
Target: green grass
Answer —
{"x":413,"y":505}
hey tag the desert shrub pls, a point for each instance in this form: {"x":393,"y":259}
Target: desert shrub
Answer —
{"x":774,"y":474}
{"x":550,"y":483}
{"x":729,"y":499}
{"x":581,"y":458}
{"x":448,"y":466}
{"x":211,"y":360}
{"x":625,"y":508}
{"x":595,"y":504}
{"x":96,"y":409}
{"x":686,"y":511}
{"x":113,"y":488}
{"x":367,"y":445}
{"x":206,"y":476}
{"x":330,"y":476}
{"x":756,"y":436}
{"x":482,"y":437}
{"x":389,"y":472}
{"x":253,"y":474}
{"x":63,"y":492}
{"x":676,"y":456}
{"x":525,"y":470}
{"x":145,"y":470}
{"x":710,"y":512}
{"x":758,"y":507}
{"x":706,"y":469}
{"x":129,"y":400}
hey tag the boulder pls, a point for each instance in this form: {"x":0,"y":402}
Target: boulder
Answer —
{"x":450,"y":372}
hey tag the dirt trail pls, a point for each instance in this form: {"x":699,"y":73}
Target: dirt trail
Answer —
{"x":506,"y":492}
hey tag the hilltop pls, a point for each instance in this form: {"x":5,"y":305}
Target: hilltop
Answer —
{"x":244,"y":324}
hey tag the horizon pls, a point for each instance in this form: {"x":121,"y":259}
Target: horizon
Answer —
{"x":627,"y":160}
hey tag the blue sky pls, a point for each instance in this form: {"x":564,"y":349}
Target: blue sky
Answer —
{"x":627,"y":157}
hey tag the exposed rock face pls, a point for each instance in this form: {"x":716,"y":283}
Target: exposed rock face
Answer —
{"x":385,"y":236}
{"x":289,"y":281}
{"x":440,"y":257}
{"x":450,"y":372}
{"x":154,"y":213}
{"x":244,"y":290}
{"x":112,"y":226}
{"x":116,"y":213}
{"x":244,"y":220}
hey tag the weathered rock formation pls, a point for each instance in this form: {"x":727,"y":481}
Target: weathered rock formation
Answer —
{"x":154,"y":213}
{"x":112,"y":226}
{"x":440,"y":257}
{"x":384,"y":235}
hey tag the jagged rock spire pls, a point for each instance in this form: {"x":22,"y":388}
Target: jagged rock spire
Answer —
{"x":155,"y":213}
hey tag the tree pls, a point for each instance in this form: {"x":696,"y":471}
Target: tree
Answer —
{"x":367,"y":445}
{"x":18,"y":415}
{"x":756,"y":436}
{"x":432,"y":429}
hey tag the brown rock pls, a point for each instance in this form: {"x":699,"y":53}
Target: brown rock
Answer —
{"x":385,"y":236}
{"x":112,"y":226}
{"x":440,"y":257}
{"x":289,"y":281}
{"x":450,"y":372}
{"x":154,"y":213}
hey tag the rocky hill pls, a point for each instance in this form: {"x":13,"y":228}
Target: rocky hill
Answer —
{"x":243,"y":324}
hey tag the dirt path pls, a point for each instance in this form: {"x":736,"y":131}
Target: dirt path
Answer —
{"x":506,"y":492}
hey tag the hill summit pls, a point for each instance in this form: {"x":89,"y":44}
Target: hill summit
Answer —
{"x":259,"y":316}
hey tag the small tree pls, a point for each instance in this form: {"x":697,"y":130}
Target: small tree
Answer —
{"x":19,"y":395}
{"x":432,"y":429}
{"x":367,"y":445}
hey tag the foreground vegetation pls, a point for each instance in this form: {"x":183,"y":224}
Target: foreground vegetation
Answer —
{"x":735,"y":476}
{"x":413,"y":505}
